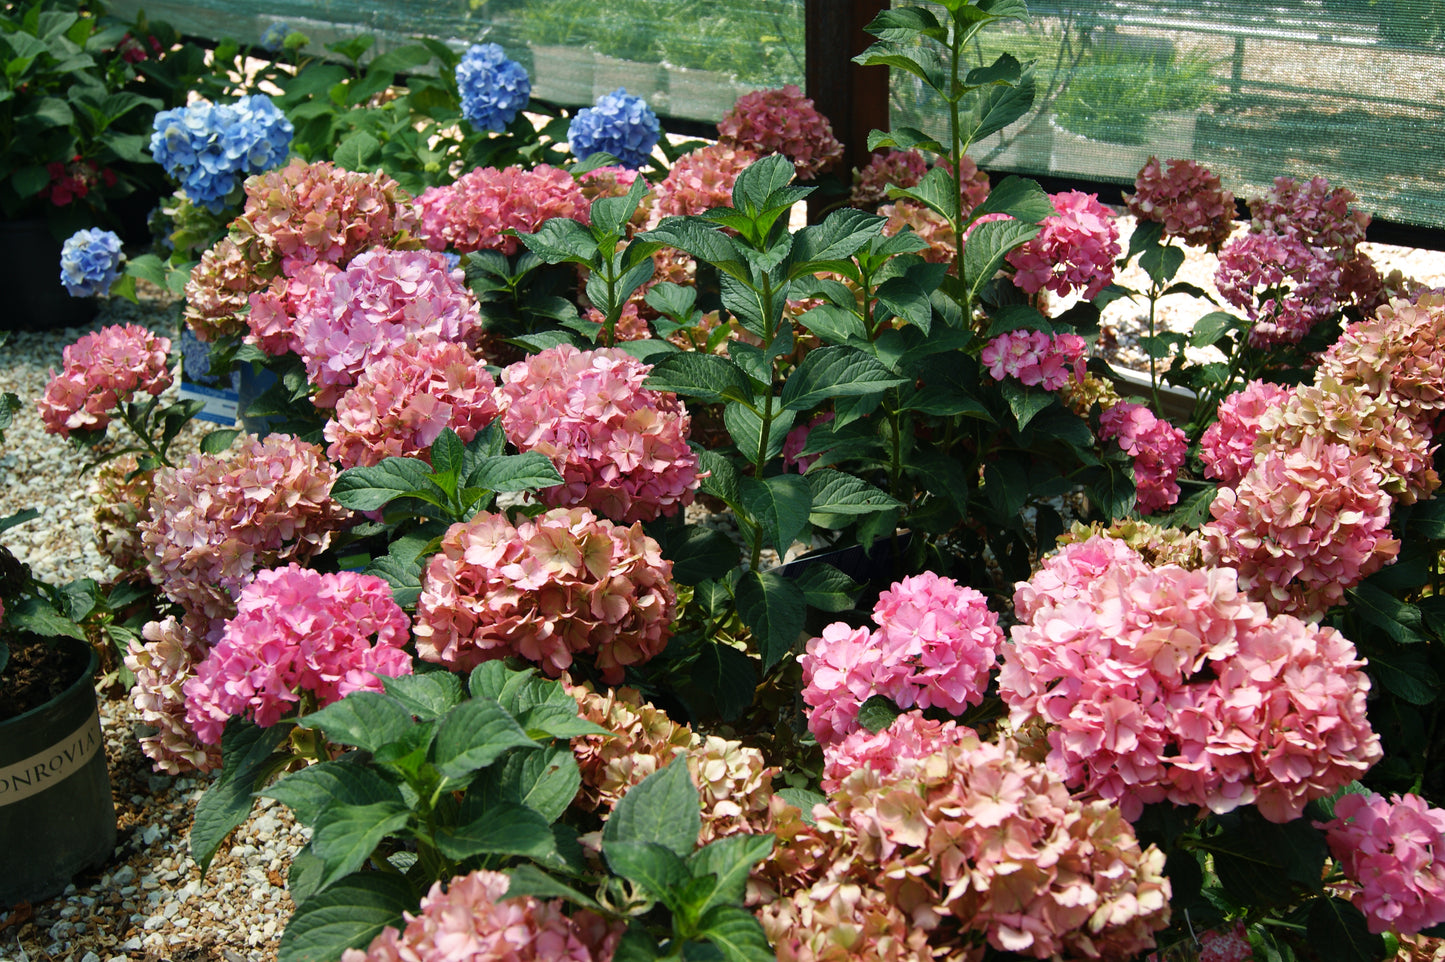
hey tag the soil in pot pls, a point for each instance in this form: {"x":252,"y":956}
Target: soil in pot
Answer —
{"x":36,"y":673}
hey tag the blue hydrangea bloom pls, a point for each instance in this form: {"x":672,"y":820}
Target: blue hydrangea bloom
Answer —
{"x":493,"y":88}
{"x":275,"y":36}
{"x":210,"y":147}
{"x":90,"y":262}
{"x":619,"y":124}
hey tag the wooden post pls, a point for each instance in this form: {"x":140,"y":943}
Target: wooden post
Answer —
{"x":854,"y":98}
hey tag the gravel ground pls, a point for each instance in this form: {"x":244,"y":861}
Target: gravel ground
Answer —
{"x":149,"y":903}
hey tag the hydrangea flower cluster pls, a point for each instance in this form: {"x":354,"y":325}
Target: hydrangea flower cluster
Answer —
{"x":1284,"y":285}
{"x":1156,"y":545}
{"x":470,"y":919}
{"x":99,"y":373}
{"x":1187,"y":198}
{"x":297,"y":630}
{"x":621,"y":448}
{"x":1164,"y":683}
{"x":932,"y":228}
{"x":1395,"y":356}
{"x":618,"y":124}
{"x":400,"y":404}
{"x":921,"y":848}
{"x":90,"y":262}
{"x":471,"y":214}
{"x":1226,"y":945}
{"x":163,"y":659}
{"x":1227,"y":446}
{"x":614,"y":181}
{"x":785,"y":122}
{"x":1157,"y":447}
{"x":1303,"y":525}
{"x":381,"y":300}
{"x":72,"y":181}
{"x":209,"y":147}
{"x":797,"y":440}
{"x":493,"y":88}
{"x":279,"y":314}
{"x":1393,"y":853}
{"x":219,"y":517}
{"x":121,"y":495}
{"x":219,"y":291}
{"x":935,"y":645}
{"x":908,"y":739}
{"x":550,"y":588}
{"x":1036,"y":358}
{"x":892,"y":168}
{"x":1073,"y":251}
{"x":1319,"y":215}
{"x":701,"y":180}
{"x":273,"y":38}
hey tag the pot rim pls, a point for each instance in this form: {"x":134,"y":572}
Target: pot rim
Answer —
{"x":86,"y":678}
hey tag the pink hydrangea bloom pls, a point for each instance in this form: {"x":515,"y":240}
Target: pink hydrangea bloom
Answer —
{"x":101,"y":372}
{"x":701,"y":180}
{"x":382,"y":299}
{"x":973,"y":187}
{"x":219,"y":517}
{"x":1227,"y":447}
{"x":400,"y":404}
{"x":1070,"y":572}
{"x":552,"y":587}
{"x":1164,"y":683}
{"x":470,"y":919}
{"x":621,"y":448}
{"x":910,"y":738}
{"x":1157,"y":447}
{"x":1396,"y":356}
{"x":893,"y":168}
{"x":297,"y":630}
{"x":933,"y":229}
{"x":797,"y":440}
{"x":1303,"y":525}
{"x":1284,"y":285}
{"x":1036,"y":358}
{"x":1319,"y":215}
{"x":163,"y":659}
{"x":1393,"y":853}
{"x":1073,"y":251}
{"x":1226,"y":945}
{"x":935,"y":645}
{"x":277,"y":319}
{"x":473,"y":213}
{"x":783,"y":122}
{"x":630,"y":326}
{"x":1187,"y":199}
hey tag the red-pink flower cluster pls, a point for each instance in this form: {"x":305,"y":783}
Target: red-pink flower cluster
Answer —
{"x":401,"y":404}
{"x":296,"y":630}
{"x":474,"y":213}
{"x":552,"y":587}
{"x":279,"y":314}
{"x":1036,"y":358}
{"x":797,"y":440}
{"x":382,"y":299}
{"x":1396,"y":357}
{"x":783,"y":122}
{"x":101,"y":372}
{"x":1303,"y":525}
{"x":893,"y":168}
{"x":621,"y":448}
{"x":1073,"y":251}
{"x":935,"y":645}
{"x":1321,"y":216}
{"x":1393,"y":853}
{"x":163,"y":659}
{"x":472,"y":920}
{"x":1187,"y":199}
{"x":966,"y":841}
{"x":1284,"y":285}
{"x":701,"y":180}
{"x":1226,"y":945}
{"x":1164,"y":683}
{"x":219,"y":517}
{"x":1157,"y":447}
{"x":1227,"y":447}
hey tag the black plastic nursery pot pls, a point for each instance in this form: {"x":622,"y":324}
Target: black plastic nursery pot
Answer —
{"x":35,"y":300}
{"x":56,"y":815}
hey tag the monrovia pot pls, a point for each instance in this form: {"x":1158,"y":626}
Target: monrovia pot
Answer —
{"x":56,"y":816}
{"x":30,"y":277}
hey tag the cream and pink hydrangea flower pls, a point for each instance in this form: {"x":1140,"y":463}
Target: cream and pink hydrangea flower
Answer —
{"x":1395,"y":356}
{"x":100,"y":372}
{"x":163,"y":659}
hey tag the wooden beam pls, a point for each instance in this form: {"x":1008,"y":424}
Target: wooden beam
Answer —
{"x":854,"y":98}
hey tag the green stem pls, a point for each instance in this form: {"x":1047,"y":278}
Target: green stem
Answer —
{"x":1153,"y":375}
{"x":144,"y":437}
{"x":767,"y":415}
{"x":955,"y":156}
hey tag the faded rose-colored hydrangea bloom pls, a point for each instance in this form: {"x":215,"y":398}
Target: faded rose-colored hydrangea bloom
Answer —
{"x":219,"y":517}
{"x":892,"y":168}
{"x":701,"y":180}
{"x":100,"y":372}
{"x":472,"y":214}
{"x":621,"y":448}
{"x":613,"y":181}
{"x":296,"y":630}
{"x":910,"y":738}
{"x":1082,"y":395}
{"x":121,"y":495}
{"x":382,"y":299}
{"x":163,"y":659}
{"x":1074,"y":250}
{"x":1157,"y":447}
{"x":401,"y":404}
{"x":1396,"y":356}
{"x":1187,"y":199}
{"x":782,"y":121}
{"x":470,"y":919}
{"x":1156,"y":545}
{"x":1400,"y":448}
{"x":1303,"y":525}
{"x":1227,"y":447}
{"x":219,"y":291}
{"x":550,"y":588}
{"x":1321,"y":216}
{"x":630,"y":326}
{"x":1225,"y":945}
{"x":1284,"y":285}
{"x":932,"y":228}
{"x":1393,"y":853}
{"x":1164,"y":683}
{"x":1035,"y":358}
{"x":935,"y":645}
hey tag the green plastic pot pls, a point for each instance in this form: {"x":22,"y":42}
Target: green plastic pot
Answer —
{"x":56,"y":815}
